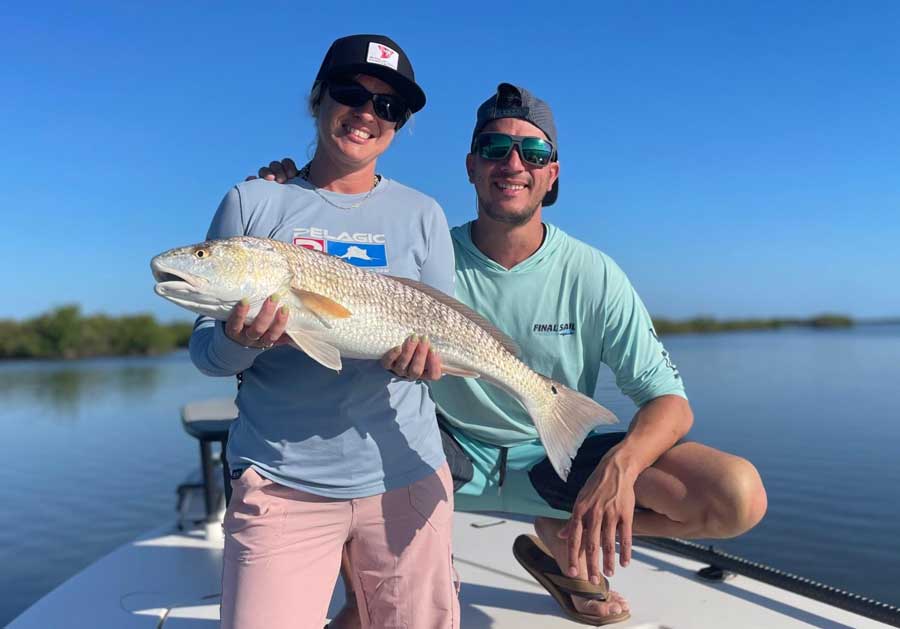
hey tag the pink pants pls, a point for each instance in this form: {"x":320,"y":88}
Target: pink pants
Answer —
{"x":283,"y":553}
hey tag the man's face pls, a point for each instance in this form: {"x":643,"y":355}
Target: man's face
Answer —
{"x":511,"y":190}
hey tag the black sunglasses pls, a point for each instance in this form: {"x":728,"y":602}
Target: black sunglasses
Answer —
{"x":497,"y":146}
{"x":388,"y":107}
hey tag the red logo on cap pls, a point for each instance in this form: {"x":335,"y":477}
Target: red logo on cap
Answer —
{"x":386,"y":52}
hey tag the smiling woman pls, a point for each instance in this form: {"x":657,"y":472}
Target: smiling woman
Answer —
{"x":330,"y":465}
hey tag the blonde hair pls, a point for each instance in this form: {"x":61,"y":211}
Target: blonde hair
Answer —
{"x":315,"y":98}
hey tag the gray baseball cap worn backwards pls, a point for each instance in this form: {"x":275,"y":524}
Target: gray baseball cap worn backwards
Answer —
{"x":511,"y":101}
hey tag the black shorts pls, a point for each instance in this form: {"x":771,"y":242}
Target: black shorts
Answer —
{"x":471,"y":474}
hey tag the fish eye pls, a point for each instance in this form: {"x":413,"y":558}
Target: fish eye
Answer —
{"x":202,"y":253}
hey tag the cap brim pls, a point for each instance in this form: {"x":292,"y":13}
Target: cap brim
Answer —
{"x":409,"y":90}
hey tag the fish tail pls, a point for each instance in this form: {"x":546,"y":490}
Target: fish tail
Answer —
{"x":563,"y":418}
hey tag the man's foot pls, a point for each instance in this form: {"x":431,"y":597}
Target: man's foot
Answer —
{"x":612,"y":607}
{"x":546,"y":530}
{"x":348,"y":617}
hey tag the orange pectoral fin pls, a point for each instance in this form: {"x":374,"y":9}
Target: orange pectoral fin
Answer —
{"x":320,"y":305}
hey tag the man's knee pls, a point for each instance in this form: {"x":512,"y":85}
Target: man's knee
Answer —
{"x":738,"y":502}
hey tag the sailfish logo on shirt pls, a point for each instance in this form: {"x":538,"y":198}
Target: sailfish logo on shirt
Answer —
{"x":356,"y":252}
{"x":358,"y":248}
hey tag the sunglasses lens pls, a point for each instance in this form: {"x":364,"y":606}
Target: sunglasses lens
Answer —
{"x":389,"y":107}
{"x":493,"y":145}
{"x":536,"y":151}
{"x":497,"y":146}
{"x":349,"y":94}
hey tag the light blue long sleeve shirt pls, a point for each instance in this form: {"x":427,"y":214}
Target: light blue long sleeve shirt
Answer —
{"x":572,"y":310}
{"x":362,"y":431}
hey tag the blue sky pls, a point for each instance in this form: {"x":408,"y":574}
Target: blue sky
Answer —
{"x":736,"y":158}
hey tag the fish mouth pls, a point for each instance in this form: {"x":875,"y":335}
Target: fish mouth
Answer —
{"x":171,"y":281}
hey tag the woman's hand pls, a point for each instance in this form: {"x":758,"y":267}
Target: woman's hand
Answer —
{"x":267,"y":328}
{"x":414,"y":360}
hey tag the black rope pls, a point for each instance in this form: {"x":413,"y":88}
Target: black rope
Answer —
{"x":864,"y":606}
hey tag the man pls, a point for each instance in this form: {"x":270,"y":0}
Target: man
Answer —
{"x":571,"y":309}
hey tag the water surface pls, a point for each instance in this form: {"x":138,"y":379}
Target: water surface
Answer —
{"x":815,"y":411}
{"x":92,"y":452}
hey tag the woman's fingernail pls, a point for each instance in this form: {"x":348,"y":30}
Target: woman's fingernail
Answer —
{"x":245,"y":301}
{"x":275,"y":298}
{"x":284,"y":310}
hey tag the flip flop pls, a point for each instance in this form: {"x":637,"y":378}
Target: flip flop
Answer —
{"x":536,"y":559}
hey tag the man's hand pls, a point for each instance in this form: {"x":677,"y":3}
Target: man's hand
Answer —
{"x":604,"y":506}
{"x":267,"y":328}
{"x":277,"y":171}
{"x":414,"y":360}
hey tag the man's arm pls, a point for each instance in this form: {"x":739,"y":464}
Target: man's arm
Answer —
{"x":655,"y":428}
{"x":605,"y":505}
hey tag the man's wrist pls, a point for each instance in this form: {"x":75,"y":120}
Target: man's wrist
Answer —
{"x":624,"y":458}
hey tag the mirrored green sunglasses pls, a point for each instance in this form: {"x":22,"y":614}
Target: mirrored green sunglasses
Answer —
{"x":496,"y":146}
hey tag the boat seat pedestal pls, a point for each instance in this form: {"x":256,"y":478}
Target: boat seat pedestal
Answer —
{"x":208,"y":422}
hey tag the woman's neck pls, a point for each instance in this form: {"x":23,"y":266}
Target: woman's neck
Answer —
{"x":326,"y":173}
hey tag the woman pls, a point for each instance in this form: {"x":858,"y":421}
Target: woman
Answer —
{"x":322,"y":460}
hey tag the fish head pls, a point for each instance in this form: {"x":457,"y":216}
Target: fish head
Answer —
{"x":211,"y":277}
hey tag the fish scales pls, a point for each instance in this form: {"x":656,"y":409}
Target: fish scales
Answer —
{"x":386,"y":312}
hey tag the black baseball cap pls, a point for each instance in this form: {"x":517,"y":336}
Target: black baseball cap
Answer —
{"x":511,"y":101}
{"x":375,"y":55}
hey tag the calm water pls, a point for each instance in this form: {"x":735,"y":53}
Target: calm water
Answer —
{"x":92,"y":452}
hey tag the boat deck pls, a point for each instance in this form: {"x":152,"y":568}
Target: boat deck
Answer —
{"x":169,"y":579}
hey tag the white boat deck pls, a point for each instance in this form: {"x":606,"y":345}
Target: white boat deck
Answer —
{"x":170,"y":580}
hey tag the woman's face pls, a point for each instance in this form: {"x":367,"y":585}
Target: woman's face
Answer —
{"x":354,"y":136}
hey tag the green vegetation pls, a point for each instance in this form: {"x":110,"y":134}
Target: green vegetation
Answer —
{"x":708,"y":324}
{"x":65,"y":333}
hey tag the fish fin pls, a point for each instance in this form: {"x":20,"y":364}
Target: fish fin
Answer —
{"x":510,"y":345}
{"x":564,"y":426}
{"x":459,"y":371}
{"x":324,"y":308}
{"x":294,"y":298}
{"x":319,"y":350}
